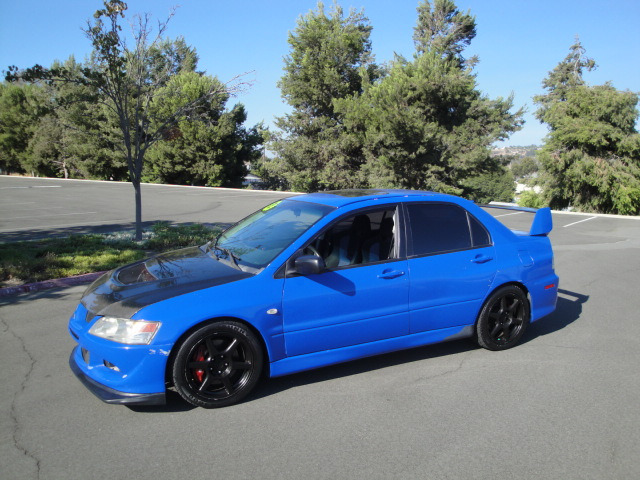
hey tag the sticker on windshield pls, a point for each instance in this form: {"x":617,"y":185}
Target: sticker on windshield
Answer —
{"x":270,"y":206}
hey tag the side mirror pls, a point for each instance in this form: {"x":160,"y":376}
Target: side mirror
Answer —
{"x":309,"y":264}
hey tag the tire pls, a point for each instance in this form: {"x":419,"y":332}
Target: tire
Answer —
{"x":503,"y":319}
{"x":217,"y":365}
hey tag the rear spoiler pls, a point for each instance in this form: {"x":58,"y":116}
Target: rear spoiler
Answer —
{"x":542,"y":222}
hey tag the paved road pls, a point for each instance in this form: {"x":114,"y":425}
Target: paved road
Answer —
{"x":563,"y":405}
{"x":35,"y":208}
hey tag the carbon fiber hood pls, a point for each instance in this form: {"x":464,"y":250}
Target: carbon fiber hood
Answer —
{"x":124,"y":291}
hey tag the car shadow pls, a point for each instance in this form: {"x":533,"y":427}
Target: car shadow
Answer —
{"x":568,"y":310}
{"x":174,"y":404}
{"x":276,"y":385}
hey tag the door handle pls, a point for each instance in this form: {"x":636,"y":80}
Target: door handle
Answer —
{"x":391,"y":274}
{"x":481,"y":258}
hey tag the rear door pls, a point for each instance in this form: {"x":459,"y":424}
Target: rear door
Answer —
{"x":451,"y":264}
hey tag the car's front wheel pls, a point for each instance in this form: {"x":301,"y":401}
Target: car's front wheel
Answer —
{"x":503,"y":319}
{"x":217,"y":365}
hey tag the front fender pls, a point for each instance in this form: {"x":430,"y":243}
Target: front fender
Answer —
{"x":247,"y":300}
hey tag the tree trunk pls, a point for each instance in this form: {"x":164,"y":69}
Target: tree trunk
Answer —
{"x":136,"y":187}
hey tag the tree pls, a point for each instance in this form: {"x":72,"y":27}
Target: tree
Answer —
{"x":421,"y":124}
{"x":212,"y":152}
{"x":426,"y":125}
{"x":566,"y":76}
{"x":591,"y":156}
{"x":20,"y":109}
{"x":74,"y":137}
{"x":127,"y":82}
{"x":523,"y":167}
{"x":330,"y":59}
{"x":444,"y":30}
{"x":46,"y":156}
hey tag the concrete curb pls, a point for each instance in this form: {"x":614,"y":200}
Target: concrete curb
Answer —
{"x":47,"y":284}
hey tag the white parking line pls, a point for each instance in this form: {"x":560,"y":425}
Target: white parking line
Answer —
{"x":507,"y":214}
{"x":33,"y":186}
{"x":579,"y":221}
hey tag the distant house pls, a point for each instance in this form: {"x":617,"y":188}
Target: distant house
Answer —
{"x":521,"y":187}
{"x":252,"y":180}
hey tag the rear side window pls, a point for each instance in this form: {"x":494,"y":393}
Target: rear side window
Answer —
{"x":440,"y":227}
{"x":479,"y":235}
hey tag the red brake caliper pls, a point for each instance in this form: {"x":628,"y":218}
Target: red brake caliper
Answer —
{"x":199,"y":357}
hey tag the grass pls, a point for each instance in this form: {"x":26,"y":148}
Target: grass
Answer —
{"x":36,"y":260}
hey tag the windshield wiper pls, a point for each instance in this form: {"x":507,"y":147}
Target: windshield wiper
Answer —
{"x":233,"y":258}
{"x":208,"y":246}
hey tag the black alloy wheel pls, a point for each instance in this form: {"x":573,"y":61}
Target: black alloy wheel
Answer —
{"x":503,"y":319}
{"x":217,"y":365}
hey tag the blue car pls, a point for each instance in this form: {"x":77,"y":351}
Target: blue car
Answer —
{"x":309,"y":281}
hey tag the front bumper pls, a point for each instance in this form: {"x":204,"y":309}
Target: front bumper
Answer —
{"x":110,"y":395}
{"x":114,"y":372}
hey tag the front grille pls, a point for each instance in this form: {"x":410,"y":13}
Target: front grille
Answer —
{"x":85,"y":355}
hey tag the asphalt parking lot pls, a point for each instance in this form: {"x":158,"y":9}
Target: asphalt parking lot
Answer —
{"x":562,"y":405}
{"x":43,"y":207}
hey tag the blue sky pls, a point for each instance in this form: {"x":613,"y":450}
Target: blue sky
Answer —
{"x":518,"y":41}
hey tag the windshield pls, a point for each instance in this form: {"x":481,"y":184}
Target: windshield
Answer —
{"x":255,"y":241}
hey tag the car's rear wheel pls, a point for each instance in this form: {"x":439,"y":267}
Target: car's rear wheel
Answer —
{"x":217,"y":365}
{"x":503,"y":319}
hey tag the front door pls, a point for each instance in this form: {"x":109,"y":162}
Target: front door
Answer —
{"x":361,"y":297}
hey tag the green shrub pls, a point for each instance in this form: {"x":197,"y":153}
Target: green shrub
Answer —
{"x":531,"y":199}
{"x":36,"y":260}
{"x":168,"y":237}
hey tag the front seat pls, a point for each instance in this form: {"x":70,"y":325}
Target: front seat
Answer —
{"x":348,"y":247}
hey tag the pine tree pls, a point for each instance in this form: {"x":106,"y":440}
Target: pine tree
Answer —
{"x":426,"y":125}
{"x":444,"y":30}
{"x":21,"y":107}
{"x":591,"y":156}
{"x":330,"y":59}
{"x":213,"y":151}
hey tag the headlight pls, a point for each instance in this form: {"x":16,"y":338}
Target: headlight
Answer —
{"x":124,"y":330}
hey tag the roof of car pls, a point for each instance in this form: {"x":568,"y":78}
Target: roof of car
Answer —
{"x":339,"y":198}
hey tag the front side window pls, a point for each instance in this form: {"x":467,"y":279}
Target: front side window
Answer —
{"x":440,"y":227}
{"x":255,"y":241}
{"x":358,"y":239}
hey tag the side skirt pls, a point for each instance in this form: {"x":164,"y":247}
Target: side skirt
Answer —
{"x":330,"y":357}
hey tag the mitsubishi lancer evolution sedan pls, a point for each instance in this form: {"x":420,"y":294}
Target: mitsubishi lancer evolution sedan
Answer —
{"x":310,"y":281}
